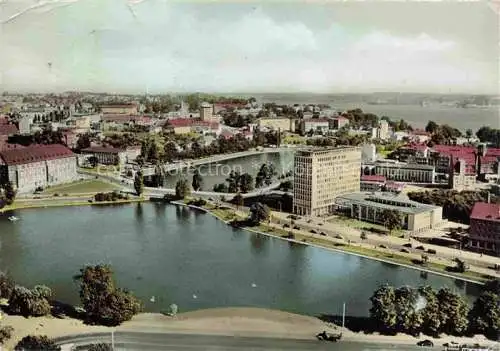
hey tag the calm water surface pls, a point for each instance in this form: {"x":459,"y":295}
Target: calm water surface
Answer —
{"x":215,"y":173}
{"x":175,"y":254}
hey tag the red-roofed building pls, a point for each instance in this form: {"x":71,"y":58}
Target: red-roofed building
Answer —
{"x":484,"y":231}
{"x":7,"y":130}
{"x":37,"y":166}
{"x":372,"y":182}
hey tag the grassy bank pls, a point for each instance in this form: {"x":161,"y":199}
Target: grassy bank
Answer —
{"x":80,"y":187}
{"x":379,"y":254}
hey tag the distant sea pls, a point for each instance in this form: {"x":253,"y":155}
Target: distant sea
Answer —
{"x":416,"y":115}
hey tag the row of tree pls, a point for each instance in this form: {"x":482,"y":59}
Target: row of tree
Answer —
{"x":457,"y":205}
{"x":102,"y":301}
{"x":424,"y":310}
{"x":154,"y":151}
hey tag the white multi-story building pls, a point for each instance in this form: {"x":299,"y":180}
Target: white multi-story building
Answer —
{"x":37,"y":166}
{"x":320,"y":175}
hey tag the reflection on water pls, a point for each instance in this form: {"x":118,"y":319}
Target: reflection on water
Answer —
{"x":259,"y":243}
{"x":182,"y":213}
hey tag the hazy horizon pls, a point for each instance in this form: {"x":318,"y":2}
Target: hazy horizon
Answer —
{"x":157,"y":46}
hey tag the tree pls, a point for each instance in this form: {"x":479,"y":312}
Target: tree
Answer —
{"x":259,"y":213}
{"x":182,"y":188}
{"x":6,"y":286}
{"x":139,"y":183}
{"x":37,"y":343}
{"x":431,"y":324}
{"x":431,"y":127}
{"x":286,"y":185}
{"x":246,"y":183}
{"x":197,"y":181}
{"x":30,"y":302}
{"x":383,"y":311}
{"x":83,"y":142}
{"x":5,"y":333}
{"x":469,"y":134}
{"x":9,"y":193}
{"x":220,"y":188}
{"x":453,"y":312}
{"x":391,"y":219}
{"x":408,"y":320}
{"x":484,"y":316}
{"x":103,"y":302}
{"x":238,"y":200}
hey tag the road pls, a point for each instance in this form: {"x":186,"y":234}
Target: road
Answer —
{"x":445,"y":255}
{"x":189,"y":342}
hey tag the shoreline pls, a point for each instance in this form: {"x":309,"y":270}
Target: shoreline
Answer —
{"x":46,"y":204}
{"x":222,"y":321}
{"x":337,"y":250}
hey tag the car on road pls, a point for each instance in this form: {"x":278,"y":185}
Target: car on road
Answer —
{"x":382,"y":246}
{"x":425,"y":343}
{"x":313,"y":231}
{"x":322,"y":233}
{"x":405,"y":250}
{"x":296,"y":227}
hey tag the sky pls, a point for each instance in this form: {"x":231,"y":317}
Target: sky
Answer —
{"x":240,"y":46}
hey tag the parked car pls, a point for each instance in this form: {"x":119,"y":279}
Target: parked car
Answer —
{"x":322,"y":233}
{"x":382,"y":246}
{"x":313,"y":231}
{"x":425,"y":343}
{"x":405,"y":250}
{"x":296,"y":227}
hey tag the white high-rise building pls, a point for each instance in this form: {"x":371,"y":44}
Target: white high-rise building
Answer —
{"x":321,"y":175}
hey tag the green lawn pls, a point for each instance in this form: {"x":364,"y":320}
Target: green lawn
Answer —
{"x":85,"y":186}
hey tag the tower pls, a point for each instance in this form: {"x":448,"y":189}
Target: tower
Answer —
{"x":206,"y":112}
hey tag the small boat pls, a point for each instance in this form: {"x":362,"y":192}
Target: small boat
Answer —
{"x":152,"y":299}
{"x":13,"y":218}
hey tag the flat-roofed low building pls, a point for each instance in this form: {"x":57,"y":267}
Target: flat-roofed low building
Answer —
{"x":285,"y":124}
{"x":120,"y":109}
{"x":106,"y":155}
{"x":484,"y":230}
{"x":37,"y":166}
{"x":320,"y":175}
{"x":406,"y":172}
{"x":368,"y":206}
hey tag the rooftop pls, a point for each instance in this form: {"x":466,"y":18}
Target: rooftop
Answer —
{"x":486,"y":211}
{"x":373,"y":178}
{"x":323,"y":150}
{"x":384,"y":200}
{"x":35,"y":153}
{"x":103,"y":149}
{"x":8,"y":129}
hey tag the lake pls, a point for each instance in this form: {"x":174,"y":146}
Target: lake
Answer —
{"x":190,"y":258}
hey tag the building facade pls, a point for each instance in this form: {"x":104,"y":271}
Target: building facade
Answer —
{"x":484,"y":230}
{"x":206,"y":112}
{"x":415,"y":217}
{"x":281,"y":123}
{"x":323,"y":174}
{"x":404,"y":172}
{"x":37,"y":166}
{"x":106,"y":155}
{"x":123,"y":109}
